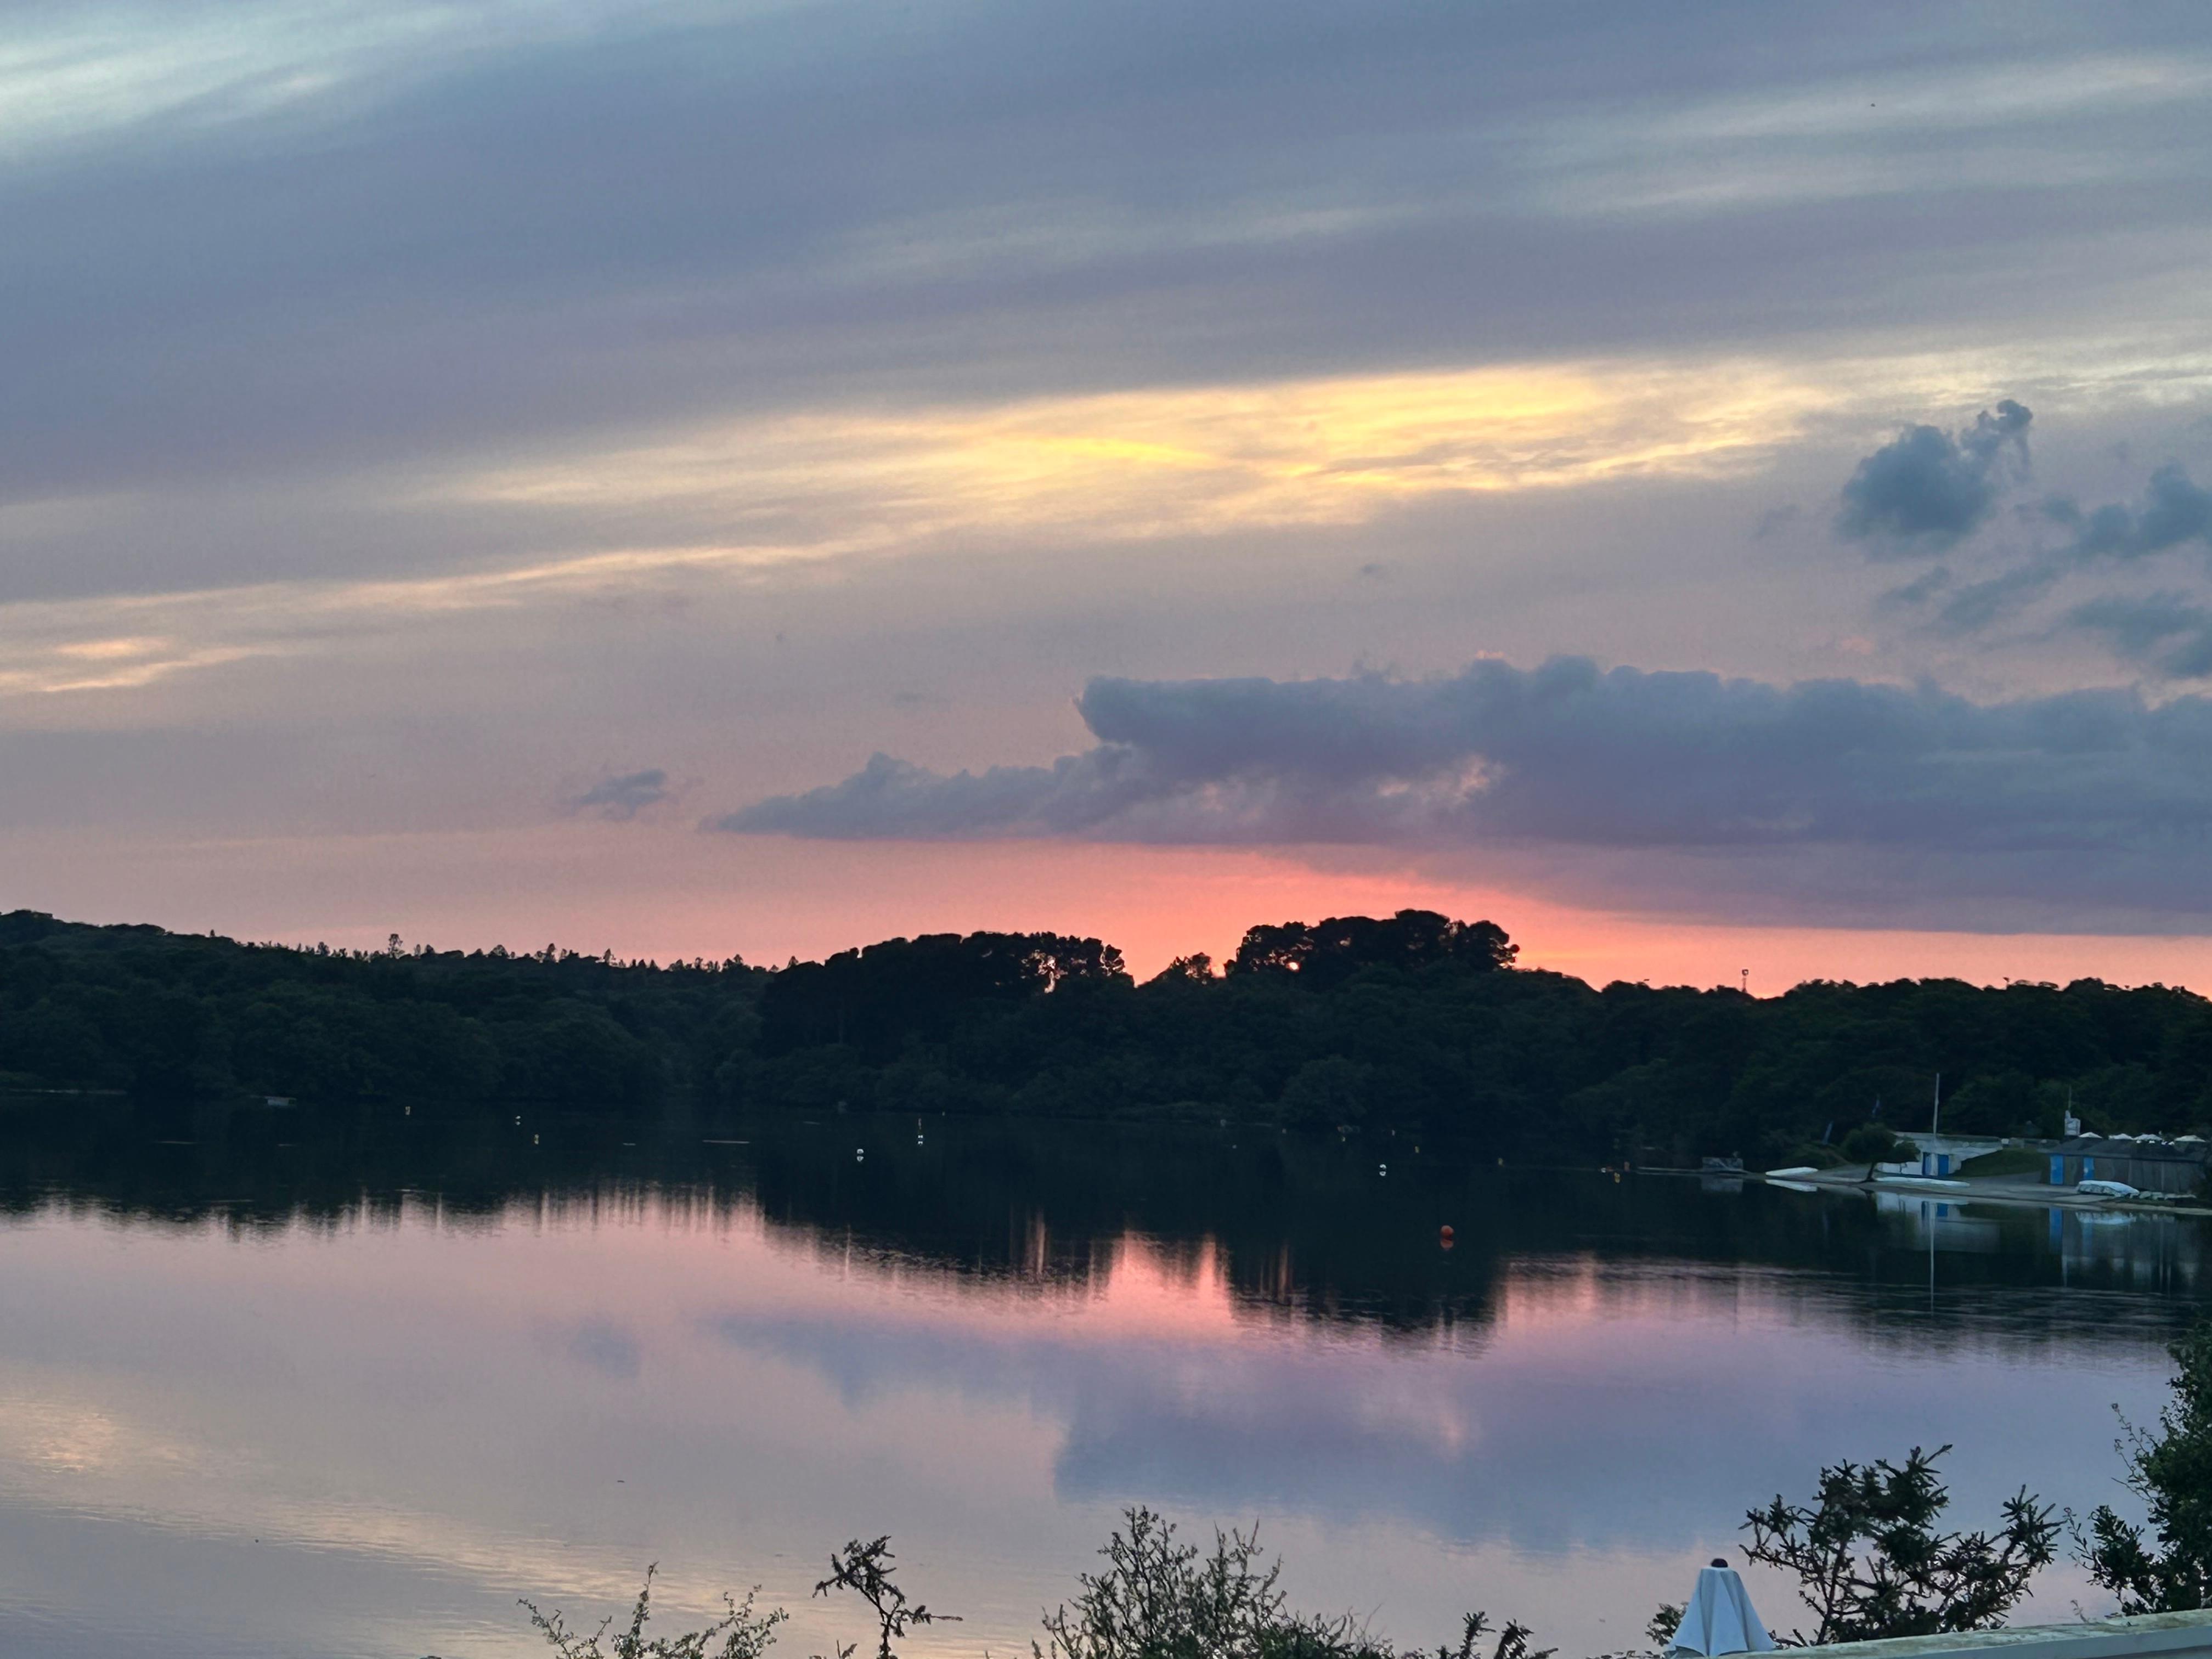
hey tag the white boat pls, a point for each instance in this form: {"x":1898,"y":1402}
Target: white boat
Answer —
{"x":2106,"y":1189}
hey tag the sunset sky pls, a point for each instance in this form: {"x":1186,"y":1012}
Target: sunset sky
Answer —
{"x":1709,"y":488}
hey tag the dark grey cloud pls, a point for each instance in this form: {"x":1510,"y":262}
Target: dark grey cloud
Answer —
{"x":1840,"y":786}
{"x":625,"y":797}
{"x":2168,"y":631}
{"x":1970,"y":607}
{"x":1921,"y":591}
{"x":1928,"y":490}
{"x":2175,"y":511}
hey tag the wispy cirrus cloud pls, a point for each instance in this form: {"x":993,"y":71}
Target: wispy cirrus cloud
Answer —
{"x":86,"y":73}
{"x":128,"y":641}
{"x":1898,"y":131}
{"x":1181,"y":459}
{"x":623,"y":797}
{"x":747,"y":498}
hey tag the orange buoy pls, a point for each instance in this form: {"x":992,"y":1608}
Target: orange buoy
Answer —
{"x":1445,"y":1237}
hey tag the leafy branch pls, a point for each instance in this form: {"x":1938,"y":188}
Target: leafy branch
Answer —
{"x":741,"y":1633}
{"x":1870,"y":1562}
{"x":2172,"y":1472}
{"x":866,"y":1570}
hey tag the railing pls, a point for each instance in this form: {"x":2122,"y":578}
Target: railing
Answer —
{"x":2146,"y":1636}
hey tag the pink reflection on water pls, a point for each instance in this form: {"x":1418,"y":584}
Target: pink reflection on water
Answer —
{"x":538,"y":1403}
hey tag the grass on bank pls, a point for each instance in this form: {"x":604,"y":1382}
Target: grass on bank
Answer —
{"x":2007,"y":1162}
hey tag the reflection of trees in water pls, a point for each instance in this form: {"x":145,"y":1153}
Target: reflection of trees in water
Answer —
{"x":1294,"y":1227}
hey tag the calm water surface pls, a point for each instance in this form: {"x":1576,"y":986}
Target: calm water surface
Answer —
{"x":271,"y":1385}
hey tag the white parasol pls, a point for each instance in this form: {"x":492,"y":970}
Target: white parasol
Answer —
{"x":1720,"y":1617}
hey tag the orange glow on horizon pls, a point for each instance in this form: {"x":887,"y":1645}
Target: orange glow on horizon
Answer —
{"x":673,"y":892}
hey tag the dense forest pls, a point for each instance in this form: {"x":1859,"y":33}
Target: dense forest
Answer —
{"x":1407,"y":1024}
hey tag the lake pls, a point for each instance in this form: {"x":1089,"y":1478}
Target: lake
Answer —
{"x":276,"y":1383}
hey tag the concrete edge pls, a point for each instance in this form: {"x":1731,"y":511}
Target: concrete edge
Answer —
{"x":2145,"y":1634}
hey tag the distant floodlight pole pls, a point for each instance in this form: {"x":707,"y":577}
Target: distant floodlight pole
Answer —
{"x":1747,"y":981}
{"x":1935,"y":1111}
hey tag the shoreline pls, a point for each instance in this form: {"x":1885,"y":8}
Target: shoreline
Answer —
{"x":2018,"y":1195}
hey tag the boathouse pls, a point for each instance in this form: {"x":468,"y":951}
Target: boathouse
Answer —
{"x":2148,"y":1161}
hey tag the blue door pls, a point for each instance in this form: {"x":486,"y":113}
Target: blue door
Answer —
{"x":1942,"y":1164}
{"x":2058,"y":1172}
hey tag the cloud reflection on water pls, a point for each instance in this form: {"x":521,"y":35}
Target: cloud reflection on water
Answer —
{"x":1609,"y":1407}
{"x":382,"y":1424}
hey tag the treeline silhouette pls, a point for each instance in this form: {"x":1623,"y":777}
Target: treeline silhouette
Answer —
{"x":1411,"y":1025}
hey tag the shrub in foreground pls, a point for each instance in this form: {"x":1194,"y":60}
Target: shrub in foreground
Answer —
{"x":2172,"y":1472}
{"x":1866,"y":1554}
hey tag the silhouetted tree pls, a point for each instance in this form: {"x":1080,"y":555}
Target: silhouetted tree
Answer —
{"x":866,"y":1570}
{"x":1870,"y":1562}
{"x":2172,"y":1472}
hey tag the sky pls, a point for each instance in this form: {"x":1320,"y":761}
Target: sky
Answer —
{"x":1712,"y":489}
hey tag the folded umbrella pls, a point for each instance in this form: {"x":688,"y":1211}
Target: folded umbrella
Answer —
{"x":1719,"y":1616}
